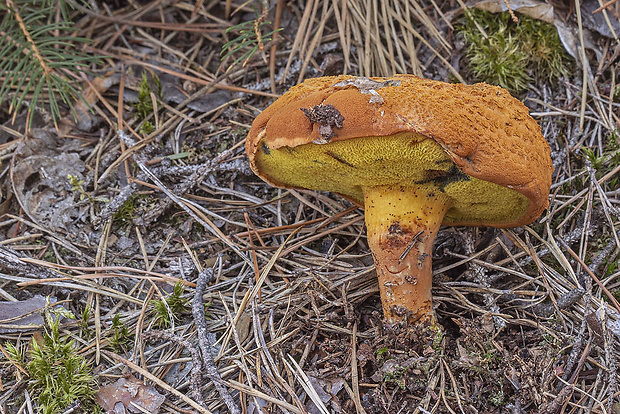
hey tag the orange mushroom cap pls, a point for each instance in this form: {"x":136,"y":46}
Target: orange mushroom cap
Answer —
{"x":486,"y":133}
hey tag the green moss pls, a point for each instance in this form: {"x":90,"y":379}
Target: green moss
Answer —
{"x":147,"y":128}
{"x":144,"y":106}
{"x":510,"y":54}
{"x":58,"y":375}
{"x":84,"y":323}
{"x":610,"y":269}
{"x":497,"y":397}
{"x":125,"y":213}
{"x":607,"y":161}
{"x":173,"y":306}
{"x":77,"y":186}
{"x":438,"y":339}
{"x":382,"y":354}
{"x":120,"y":334}
{"x":396,"y":376}
{"x":133,"y":207}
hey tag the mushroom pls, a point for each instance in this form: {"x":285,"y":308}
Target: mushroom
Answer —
{"x":415,"y":154}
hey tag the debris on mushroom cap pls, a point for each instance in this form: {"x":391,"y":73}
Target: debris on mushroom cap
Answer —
{"x":486,"y":134}
{"x":369,"y":86}
{"x":326,"y":116}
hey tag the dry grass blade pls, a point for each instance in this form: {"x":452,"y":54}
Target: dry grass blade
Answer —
{"x":253,"y":293}
{"x":157,"y":381}
{"x":250,"y":391}
{"x":304,"y":26}
{"x":303,"y":379}
{"x":376,"y":46}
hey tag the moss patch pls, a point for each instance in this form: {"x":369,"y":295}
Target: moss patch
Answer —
{"x":510,"y":54}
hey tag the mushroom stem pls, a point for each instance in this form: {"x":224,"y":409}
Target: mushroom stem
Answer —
{"x":402,"y":222}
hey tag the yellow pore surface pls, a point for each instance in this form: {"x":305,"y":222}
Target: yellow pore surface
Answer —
{"x":405,"y":159}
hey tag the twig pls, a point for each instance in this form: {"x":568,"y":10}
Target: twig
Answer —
{"x":607,"y":207}
{"x":119,"y":359}
{"x":569,"y":238}
{"x":198,"y":175}
{"x":611,"y":298}
{"x":198,"y":311}
{"x":559,"y":400}
{"x":109,"y":209}
{"x":604,"y":6}
{"x":579,"y":342}
{"x":610,"y":358}
{"x":354,"y":373}
{"x":196,"y":372}
{"x":565,"y":301}
{"x":11,"y":260}
{"x":128,"y":191}
{"x":185,"y":205}
{"x":479,"y":275}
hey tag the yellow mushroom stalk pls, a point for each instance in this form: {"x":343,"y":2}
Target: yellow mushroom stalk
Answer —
{"x":415,"y":154}
{"x":401,"y":223}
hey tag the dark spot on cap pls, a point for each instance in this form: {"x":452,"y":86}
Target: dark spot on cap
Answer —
{"x":401,"y":311}
{"x":421,"y":259}
{"x":265,"y":148}
{"x":395,"y":229}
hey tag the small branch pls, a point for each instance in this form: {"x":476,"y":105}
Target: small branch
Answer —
{"x":610,"y":359}
{"x":547,"y":309}
{"x":559,"y":400}
{"x":196,"y":373}
{"x":11,"y":260}
{"x":569,"y":238}
{"x":198,"y":311}
{"x":197,"y":175}
{"x":109,"y":209}
{"x":202,"y":220}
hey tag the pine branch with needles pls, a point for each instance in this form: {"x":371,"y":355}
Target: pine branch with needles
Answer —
{"x":250,"y":39}
{"x":39,"y":56}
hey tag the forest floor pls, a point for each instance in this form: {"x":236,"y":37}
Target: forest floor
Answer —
{"x":145,"y":208}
